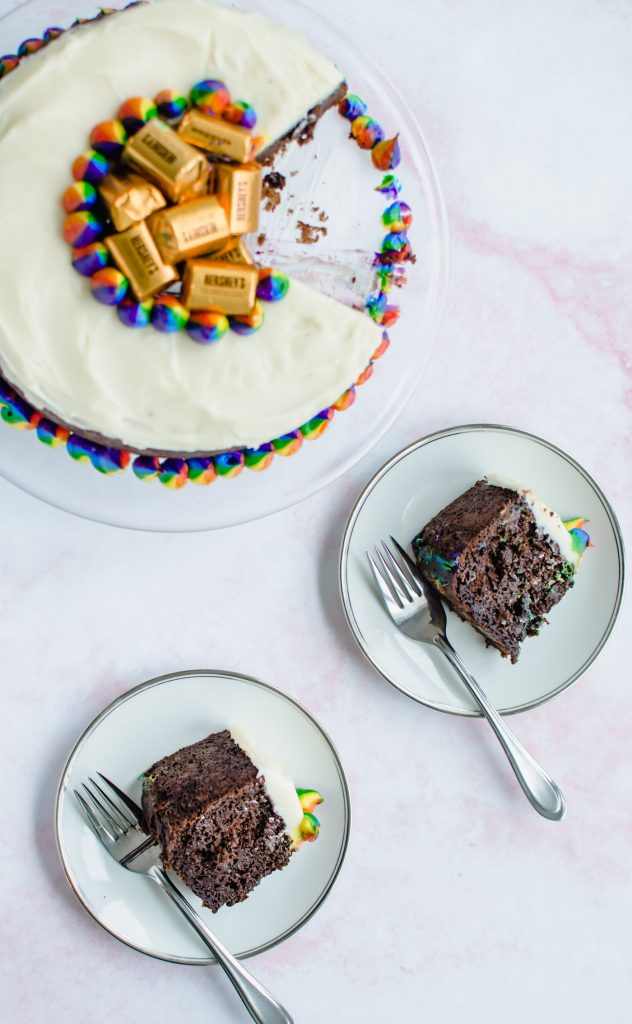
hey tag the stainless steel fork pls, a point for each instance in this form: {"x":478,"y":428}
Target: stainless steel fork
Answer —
{"x":119,"y":824}
{"x":416,"y":608}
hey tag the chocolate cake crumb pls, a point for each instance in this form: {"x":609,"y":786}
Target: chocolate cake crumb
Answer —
{"x":271,"y":199}
{"x":261,"y":238}
{"x":275,"y":180}
{"x":388,"y":258}
{"x":304,"y":132}
{"x":309,"y":234}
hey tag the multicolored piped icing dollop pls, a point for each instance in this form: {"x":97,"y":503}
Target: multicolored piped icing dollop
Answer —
{"x":81,"y":197}
{"x":580,"y":538}
{"x":309,"y":827}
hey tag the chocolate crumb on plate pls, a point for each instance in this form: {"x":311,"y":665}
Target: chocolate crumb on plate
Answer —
{"x":309,"y":234}
{"x":275,"y":180}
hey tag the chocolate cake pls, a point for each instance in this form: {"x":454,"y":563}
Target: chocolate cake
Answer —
{"x":221,"y":823}
{"x":501,"y":559}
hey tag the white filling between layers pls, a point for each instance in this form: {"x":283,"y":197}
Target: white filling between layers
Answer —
{"x":279,"y":786}
{"x":546,"y":519}
{"x":72,"y":356}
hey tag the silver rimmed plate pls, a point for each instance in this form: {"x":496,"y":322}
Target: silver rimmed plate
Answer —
{"x":401,"y":498}
{"x":155,"y":719}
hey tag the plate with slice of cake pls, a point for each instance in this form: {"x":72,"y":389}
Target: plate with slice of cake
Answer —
{"x":242,"y":791}
{"x":215,"y":241}
{"x":523,"y":547}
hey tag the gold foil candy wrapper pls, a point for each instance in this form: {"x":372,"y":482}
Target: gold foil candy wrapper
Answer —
{"x":129,"y":198}
{"x":136,"y":255}
{"x":202,"y":187}
{"x":230,"y":288}
{"x":238,"y":189}
{"x":234,"y":251}
{"x":218,"y":137}
{"x":161,"y":155}
{"x":189,"y":229}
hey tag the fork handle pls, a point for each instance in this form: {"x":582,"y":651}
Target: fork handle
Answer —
{"x":538,"y":787}
{"x":261,"y":1005}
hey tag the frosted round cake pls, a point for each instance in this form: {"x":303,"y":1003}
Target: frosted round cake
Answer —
{"x":71,"y":368}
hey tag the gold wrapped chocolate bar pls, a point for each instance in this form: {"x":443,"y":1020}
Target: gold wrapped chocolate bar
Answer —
{"x":190,"y":229}
{"x":234,"y":250}
{"x":129,"y":198}
{"x":136,"y":255}
{"x":238,"y":189}
{"x":162,"y":156}
{"x":218,"y":137}
{"x":230,"y":288}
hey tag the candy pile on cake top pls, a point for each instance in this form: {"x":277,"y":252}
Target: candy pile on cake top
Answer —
{"x":163,"y":198}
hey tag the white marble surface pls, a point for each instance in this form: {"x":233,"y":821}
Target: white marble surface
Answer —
{"x":456,"y":902}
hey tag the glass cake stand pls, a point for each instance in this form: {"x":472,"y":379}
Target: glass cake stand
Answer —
{"x":123,"y":500}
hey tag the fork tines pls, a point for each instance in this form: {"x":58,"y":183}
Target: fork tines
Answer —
{"x":102,"y":813}
{"x":396,"y":575}
{"x":107,"y":818}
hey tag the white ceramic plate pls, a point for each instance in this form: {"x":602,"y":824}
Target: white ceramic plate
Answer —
{"x":353,"y":230}
{"x":412,"y":487}
{"x":161,"y":716}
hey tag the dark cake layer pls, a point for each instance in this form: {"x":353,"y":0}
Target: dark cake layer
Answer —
{"x":182,"y":784}
{"x":225,"y":852}
{"x":486,"y":555}
{"x":215,"y":824}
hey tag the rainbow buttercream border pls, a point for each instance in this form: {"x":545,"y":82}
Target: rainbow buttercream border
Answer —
{"x":389,"y":264}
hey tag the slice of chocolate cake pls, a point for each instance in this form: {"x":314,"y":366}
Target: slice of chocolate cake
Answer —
{"x":501,"y":559}
{"x":225,"y":816}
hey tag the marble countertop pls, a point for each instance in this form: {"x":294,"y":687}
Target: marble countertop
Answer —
{"x":468,"y":907}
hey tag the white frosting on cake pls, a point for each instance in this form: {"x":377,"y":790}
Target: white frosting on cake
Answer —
{"x":72,"y":356}
{"x":279,"y":786}
{"x":546,"y":519}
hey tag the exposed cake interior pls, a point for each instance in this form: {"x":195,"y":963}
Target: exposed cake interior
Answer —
{"x":222,"y":824}
{"x":501,"y":559}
